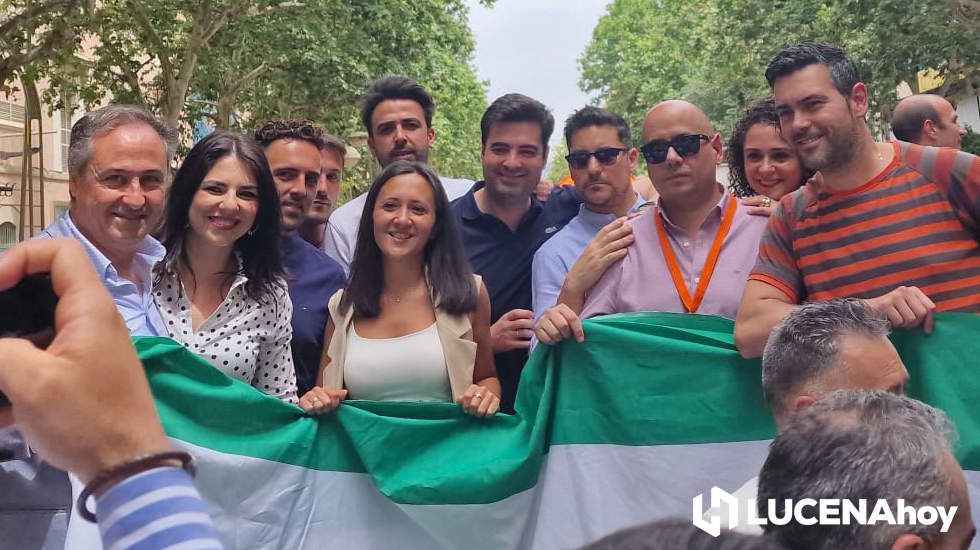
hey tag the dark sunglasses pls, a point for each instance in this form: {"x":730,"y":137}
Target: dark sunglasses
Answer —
{"x":605,"y":156}
{"x":685,"y":144}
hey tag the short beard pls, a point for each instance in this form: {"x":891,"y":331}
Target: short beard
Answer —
{"x":840,"y":151}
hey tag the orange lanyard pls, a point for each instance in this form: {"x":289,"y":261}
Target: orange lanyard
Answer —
{"x":691,"y":305}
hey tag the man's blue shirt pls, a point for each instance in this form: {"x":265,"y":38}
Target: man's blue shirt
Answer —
{"x":135,"y":304}
{"x":503,"y":258}
{"x":312,"y":277}
{"x":555,"y":257}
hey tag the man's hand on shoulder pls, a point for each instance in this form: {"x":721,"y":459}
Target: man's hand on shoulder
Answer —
{"x":606,"y":248}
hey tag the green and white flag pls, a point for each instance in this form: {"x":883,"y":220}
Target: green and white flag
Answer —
{"x":652,"y":410}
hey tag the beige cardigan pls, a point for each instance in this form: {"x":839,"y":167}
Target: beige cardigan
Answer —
{"x":455,"y":335}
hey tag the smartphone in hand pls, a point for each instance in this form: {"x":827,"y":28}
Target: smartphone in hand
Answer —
{"x":27,"y":311}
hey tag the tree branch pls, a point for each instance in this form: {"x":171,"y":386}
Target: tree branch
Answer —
{"x":163,"y":52}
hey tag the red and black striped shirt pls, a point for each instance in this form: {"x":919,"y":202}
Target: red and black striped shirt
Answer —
{"x":917,"y":223}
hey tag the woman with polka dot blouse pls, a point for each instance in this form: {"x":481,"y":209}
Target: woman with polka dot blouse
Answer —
{"x":413,"y":323}
{"x":220,"y":287}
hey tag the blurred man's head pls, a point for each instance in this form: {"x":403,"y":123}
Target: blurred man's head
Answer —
{"x":927,"y":119}
{"x":293,"y":150}
{"x":825,"y":346}
{"x":331,"y":173}
{"x":679,"y":534}
{"x":854,"y":445}
{"x":397,"y":114}
{"x":117,"y":166}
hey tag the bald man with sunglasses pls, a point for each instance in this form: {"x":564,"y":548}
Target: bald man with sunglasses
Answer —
{"x":691,"y":253}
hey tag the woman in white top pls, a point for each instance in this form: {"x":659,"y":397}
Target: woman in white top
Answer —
{"x":413,"y":323}
{"x":220,"y":287}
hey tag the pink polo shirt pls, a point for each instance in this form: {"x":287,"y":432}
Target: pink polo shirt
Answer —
{"x":641,"y":280}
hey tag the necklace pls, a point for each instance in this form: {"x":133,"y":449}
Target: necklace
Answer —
{"x":691,"y":304}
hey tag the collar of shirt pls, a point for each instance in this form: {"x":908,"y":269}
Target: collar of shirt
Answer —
{"x":598,"y":220}
{"x":468,"y":210}
{"x":150,"y":250}
{"x":713,"y":217}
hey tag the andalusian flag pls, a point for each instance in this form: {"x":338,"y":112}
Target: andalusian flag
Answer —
{"x":652,"y":410}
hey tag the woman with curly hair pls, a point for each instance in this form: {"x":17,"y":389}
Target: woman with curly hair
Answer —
{"x":762,"y":166}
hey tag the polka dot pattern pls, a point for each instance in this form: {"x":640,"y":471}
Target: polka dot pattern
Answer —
{"x":243,"y":338}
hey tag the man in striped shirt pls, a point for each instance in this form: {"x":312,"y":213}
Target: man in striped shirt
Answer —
{"x":895,"y":224}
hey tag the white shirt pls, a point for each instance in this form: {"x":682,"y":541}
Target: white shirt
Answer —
{"x":243,"y":338}
{"x":340,"y":238}
{"x":404,"y":368}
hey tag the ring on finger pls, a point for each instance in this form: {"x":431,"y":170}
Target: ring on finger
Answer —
{"x":477,"y":395}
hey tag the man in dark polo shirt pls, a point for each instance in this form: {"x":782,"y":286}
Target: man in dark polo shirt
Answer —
{"x":293,"y":148}
{"x":504,"y":224}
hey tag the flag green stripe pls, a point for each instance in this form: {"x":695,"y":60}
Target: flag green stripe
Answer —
{"x":639,"y":379}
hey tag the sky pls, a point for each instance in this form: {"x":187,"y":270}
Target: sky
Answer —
{"x":532,"y":47}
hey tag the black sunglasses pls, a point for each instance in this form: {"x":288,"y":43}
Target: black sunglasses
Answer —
{"x":685,"y":144}
{"x":605,"y":156}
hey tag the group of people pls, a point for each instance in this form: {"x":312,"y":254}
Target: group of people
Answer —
{"x":427,"y":288}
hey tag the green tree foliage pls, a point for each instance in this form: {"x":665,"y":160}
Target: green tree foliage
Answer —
{"x":235,"y":63}
{"x":35,"y":32}
{"x":557,"y":165}
{"x":714,"y":53}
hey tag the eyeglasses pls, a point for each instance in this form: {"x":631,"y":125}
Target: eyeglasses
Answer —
{"x":685,"y":144}
{"x":606,"y":156}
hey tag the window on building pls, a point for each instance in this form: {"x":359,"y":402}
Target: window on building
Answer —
{"x":64,"y":128}
{"x":11,"y":112}
{"x":8,"y":235}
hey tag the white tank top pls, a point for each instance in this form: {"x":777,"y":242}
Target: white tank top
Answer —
{"x":404,"y":368}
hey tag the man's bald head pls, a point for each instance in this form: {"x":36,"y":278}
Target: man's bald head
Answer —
{"x":927,"y":119}
{"x":673,"y":110}
{"x":681,"y":151}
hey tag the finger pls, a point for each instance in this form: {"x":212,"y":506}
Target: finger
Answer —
{"x":467,"y":393}
{"x":894,"y":317}
{"x":545,"y":330}
{"x":577,"y":331}
{"x":521,"y":324}
{"x":522,"y":314}
{"x":524,"y":334}
{"x":904,"y":310}
{"x":485,"y":404}
{"x":513,"y":343}
{"x":617,"y":244}
{"x":927,"y":324}
{"x":494,"y":406}
{"x":760,"y":211}
{"x":18,"y":370}
{"x":612,"y":258}
{"x":612,"y":226}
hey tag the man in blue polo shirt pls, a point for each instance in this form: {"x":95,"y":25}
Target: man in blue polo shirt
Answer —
{"x":293,"y":149}
{"x":504,"y":224}
{"x":600,"y":159}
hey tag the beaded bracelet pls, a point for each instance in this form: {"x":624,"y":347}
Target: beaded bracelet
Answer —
{"x":129,"y":468}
